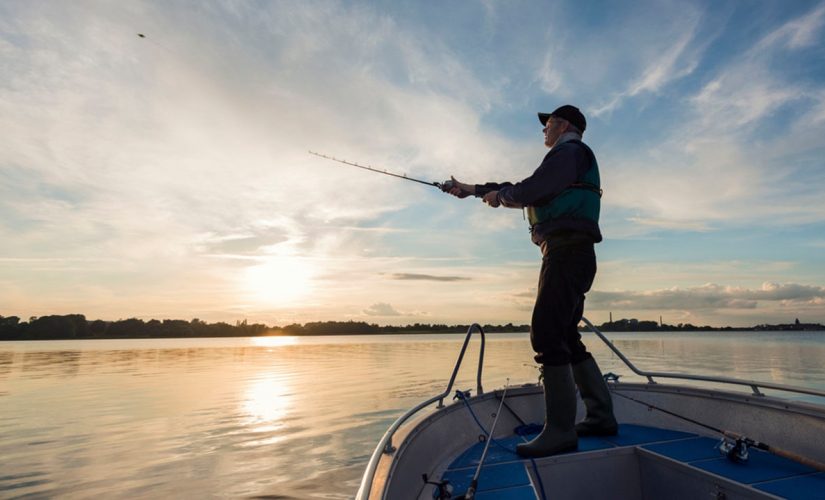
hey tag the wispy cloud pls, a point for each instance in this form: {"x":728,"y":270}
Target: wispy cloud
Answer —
{"x":717,"y":163}
{"x":679,"y":59}
{"x":711,"y":296}
{"x":426,"y":277}
{"x":751,"y":87}
{"x":797,"y":33}
{"x":685,"y":225}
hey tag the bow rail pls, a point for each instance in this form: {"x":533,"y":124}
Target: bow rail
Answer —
{"x":385,"y":445}
{"x":753,"y":384}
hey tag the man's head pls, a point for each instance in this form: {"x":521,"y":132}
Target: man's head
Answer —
{"x":564,"y":119}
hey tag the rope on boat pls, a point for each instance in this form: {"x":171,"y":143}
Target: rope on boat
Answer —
{"x":734,"y":445}
{"x":471,"y":491}
{"x":486,"y":435}
{"x":521,"y":430}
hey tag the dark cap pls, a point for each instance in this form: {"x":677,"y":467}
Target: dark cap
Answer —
{"x":566,"y":112}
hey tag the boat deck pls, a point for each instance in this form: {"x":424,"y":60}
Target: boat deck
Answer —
{"x":650,"y":461}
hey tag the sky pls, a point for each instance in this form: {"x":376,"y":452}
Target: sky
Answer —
{"x":168,"y":176}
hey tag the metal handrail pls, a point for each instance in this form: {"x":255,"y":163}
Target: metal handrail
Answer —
{"x":385,"y":445}
{"x":754,"y":385}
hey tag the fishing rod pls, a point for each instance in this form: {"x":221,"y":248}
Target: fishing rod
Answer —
{"x":734,"y":445}
{"x":444,"y":186}
{"x":471,"y":491}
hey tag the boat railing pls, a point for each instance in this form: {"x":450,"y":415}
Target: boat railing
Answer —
{"x":385,"y":445}
{"x":754,"y":385}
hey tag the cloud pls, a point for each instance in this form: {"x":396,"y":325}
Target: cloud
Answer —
{"x":710,"y":297}
{"x":150,"y":176}
{"x":426,"y":277}
{"x":166,"y":152}
{"x":549,"y":77}
{"x":675,"y":61}
{"x":684,"y":225}
{"x":742,"y":95}
{"x":715,"y":165}
{"x":381,"y":309}
{"x":621,"y":58}
{"x":751,"y":87}
{"x":797,"y":33}
{"x":253,"y":241}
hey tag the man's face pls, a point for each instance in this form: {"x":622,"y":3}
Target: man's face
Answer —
{"x":553,"y":130}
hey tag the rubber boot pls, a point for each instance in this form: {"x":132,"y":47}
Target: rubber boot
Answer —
{"x":559,"y":433}
{"x":600,"y":420}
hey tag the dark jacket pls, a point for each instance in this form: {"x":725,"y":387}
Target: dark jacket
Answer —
{"x":562,"y":172}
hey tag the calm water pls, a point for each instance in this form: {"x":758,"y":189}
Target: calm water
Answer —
{"x":280,"y":417}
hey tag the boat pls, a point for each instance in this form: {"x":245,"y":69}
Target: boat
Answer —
{"x":694,"y":437}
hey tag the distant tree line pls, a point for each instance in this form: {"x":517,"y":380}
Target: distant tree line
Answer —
{"x":635,"y":325}
{"x":361,"y":327}
{"x":76,"y":326}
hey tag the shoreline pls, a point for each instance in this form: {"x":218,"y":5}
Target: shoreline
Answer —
{"x":664,"y":333}
{"x":77,"y":327}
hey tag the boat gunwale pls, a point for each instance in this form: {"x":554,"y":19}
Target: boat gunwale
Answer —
{"x":385,"y":449}
{"x":415,"y":427}
{"x":785,"y":404}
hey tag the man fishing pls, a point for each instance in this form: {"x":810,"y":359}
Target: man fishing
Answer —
{"x":562,"y":200}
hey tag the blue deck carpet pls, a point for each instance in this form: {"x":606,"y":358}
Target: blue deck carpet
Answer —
{"x":808,"y":487}
{"x":687,"y":450}
{"x":493,"y":477}
{"x":763,"y":471}
{"x":505,"y":475}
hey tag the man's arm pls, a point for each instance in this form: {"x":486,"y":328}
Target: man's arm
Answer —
{"x":557,"y":171}
{"x":482,"y":189}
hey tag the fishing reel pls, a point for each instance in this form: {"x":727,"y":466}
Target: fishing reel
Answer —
{"x":443,"y":489}
{"x":736,"y":450}
{"x":449,"y":184}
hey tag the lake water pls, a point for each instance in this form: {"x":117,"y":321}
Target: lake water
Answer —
{"x":282,"y":417}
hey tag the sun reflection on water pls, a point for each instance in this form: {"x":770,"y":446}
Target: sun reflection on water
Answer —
{"x":274,"y":341}
{"x":267,"y":401}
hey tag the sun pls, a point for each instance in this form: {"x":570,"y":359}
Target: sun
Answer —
{"x":279,"y":280}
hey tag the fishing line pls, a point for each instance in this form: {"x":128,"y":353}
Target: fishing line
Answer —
{"x":737,"y":450}
{"x":200,"y":62}
{"x":152,"y":41}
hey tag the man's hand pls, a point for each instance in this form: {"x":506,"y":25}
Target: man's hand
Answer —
{"x":491,"y":199}
{"x":459,"y":189}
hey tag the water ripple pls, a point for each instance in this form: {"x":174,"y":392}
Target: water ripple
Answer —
{"x":236,"y":418}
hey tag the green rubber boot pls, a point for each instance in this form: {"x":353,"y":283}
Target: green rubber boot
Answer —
{"x":559,"y":433}
{"x":600,"y":420}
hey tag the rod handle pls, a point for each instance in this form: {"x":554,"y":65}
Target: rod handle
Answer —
{"x":810,"y":462}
